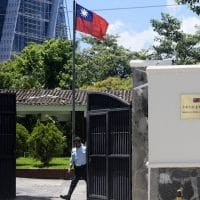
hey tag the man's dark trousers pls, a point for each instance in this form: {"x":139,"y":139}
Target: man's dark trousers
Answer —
{"x":79,"y":173}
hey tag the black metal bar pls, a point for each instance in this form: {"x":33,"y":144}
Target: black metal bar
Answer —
{"x":130,"y":150}
{"x":88,"y":149}
{"x":107,"y":154}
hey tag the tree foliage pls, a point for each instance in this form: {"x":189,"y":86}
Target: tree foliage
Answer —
{"x":39,"y":66}
{"x":57,"y":63}
{"x":22,"y":137}
{"x":111,"y":83}
{"x":29,"y":67}
{"x":49,"y":65}
{"x":189,"y":49}
{"x":194,"y":5}
{"x":102,"y":60}
{"x":173,"y":43}
{"x":45,"y":142}
{"x":168,"y":29}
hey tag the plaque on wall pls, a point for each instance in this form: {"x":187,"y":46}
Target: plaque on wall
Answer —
{"x":190,"y":106}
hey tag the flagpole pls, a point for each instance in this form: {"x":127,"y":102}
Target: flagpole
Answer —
{"x":74,"y":74}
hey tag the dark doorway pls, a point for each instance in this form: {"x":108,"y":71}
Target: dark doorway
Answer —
{"x":109,"y":142}
{"x":7,"y":146}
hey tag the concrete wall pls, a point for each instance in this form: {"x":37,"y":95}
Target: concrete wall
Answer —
{"x":174,"y":150}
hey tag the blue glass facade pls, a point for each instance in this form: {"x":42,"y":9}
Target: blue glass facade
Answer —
{"x":3,"y":7}
{"x":61,"y":26}
{"x":27,"y":21}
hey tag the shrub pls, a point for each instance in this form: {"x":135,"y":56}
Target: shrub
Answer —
{"x":22,"y":136}
{"x":45,"y":142}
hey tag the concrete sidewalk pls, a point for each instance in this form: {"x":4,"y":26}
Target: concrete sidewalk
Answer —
{"x":47,"y":189}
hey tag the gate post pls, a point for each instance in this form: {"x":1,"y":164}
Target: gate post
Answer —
{"x":7,"y":146}
{"x":140,"y":132}
{"x":140,"y":127}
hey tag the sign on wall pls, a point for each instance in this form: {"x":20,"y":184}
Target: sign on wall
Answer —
{"x":190,"y":106}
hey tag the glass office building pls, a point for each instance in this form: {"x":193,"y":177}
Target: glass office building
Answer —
{"x":24,"y":21}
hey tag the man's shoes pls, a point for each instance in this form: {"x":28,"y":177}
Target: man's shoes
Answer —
{"x":65,"y":197}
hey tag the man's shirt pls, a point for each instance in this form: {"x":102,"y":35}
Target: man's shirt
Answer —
{"x":78,"y":156}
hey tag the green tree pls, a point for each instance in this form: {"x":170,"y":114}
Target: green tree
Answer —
{"x":8,"y":74}
{"x":22,"y":136}
{"x":173,"y":43}
{"x":194,"y":5}
{"x":29,"y":67}
{"x":188,"y":49}
{"x":111,"y":83}
{"x":49,"y":65}
{"x":46,"y":65}
{"x":169,"y":31}
{"x":45,"y":142}
{"x":57,"y":63}
{"x":101,"y":60}
{"x":24,"y":71}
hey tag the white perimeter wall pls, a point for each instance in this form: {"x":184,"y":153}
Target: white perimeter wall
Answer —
{"x":172,"y":139}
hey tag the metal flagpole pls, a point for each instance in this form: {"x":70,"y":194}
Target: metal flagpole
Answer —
{"x":74,"y":73}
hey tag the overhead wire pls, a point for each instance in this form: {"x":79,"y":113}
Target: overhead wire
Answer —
{"x":126,"y":8}
{"x":137,"y":7}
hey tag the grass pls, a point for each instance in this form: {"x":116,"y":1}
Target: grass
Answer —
{"x":30,"y":163}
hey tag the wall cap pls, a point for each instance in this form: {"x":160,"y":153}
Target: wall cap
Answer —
{"x":146,"y":63}
{"x":172,"y":68}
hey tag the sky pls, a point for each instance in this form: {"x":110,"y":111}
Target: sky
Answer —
{"x":132,"y":24}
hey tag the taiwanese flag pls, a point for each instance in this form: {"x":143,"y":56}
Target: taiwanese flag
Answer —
{"x":90,"y":23}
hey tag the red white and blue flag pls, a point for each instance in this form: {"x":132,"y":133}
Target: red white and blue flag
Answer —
{"x":90,"y":23}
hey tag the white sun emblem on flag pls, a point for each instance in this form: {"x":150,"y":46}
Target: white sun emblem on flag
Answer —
{"x":84,"y":13}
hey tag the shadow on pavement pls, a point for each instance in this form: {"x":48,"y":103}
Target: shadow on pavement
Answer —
{"x":24,"y":197}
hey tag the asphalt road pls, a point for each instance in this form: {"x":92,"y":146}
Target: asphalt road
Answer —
{"x":47,"y":189}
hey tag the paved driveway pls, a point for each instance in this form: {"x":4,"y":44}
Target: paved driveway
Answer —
{"x":47,"y":189}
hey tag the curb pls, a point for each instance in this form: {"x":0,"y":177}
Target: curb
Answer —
{"x":45,"y":173}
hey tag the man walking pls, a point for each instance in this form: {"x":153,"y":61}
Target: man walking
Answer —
{"x":78,"y":160}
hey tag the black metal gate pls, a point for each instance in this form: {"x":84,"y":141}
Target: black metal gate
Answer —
{"x":7,"y":146}
{"x":109,"y":148}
